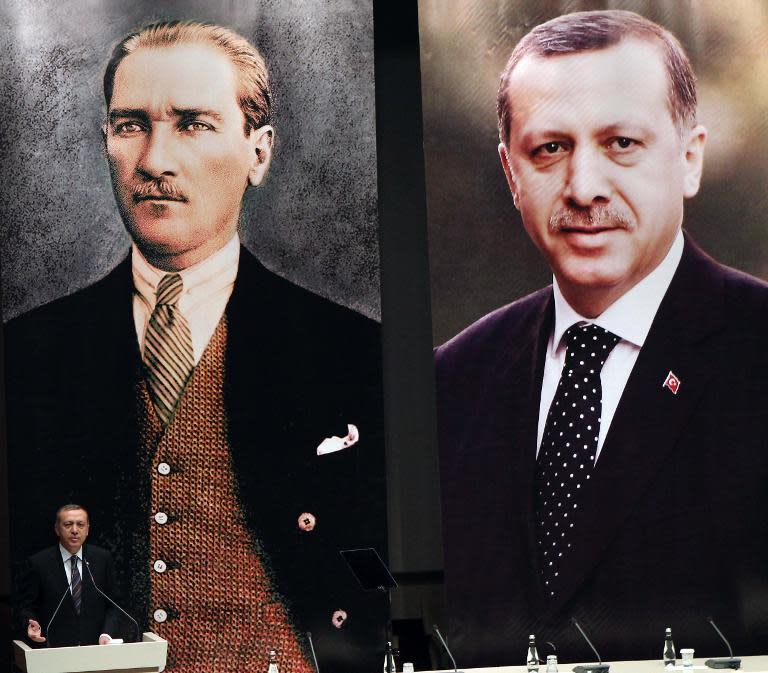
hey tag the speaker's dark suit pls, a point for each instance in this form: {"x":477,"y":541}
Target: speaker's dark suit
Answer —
{"x":44,"y":585}
{"x":298,"y":369}
{"x":674,"y":527}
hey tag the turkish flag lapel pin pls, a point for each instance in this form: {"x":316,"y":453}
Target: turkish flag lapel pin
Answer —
{"x":672,"y":382}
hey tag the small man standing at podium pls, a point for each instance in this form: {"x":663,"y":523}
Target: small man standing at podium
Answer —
{"x":63,"y":577}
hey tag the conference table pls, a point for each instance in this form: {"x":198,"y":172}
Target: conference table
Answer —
{"x":758,"y":664}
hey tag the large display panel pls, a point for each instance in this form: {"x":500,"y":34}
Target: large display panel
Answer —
{"x":224,"y":510}
{"x":669,"y":527}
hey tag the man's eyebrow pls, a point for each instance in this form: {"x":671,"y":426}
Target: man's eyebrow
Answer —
{"x":122,"y":113}
{"x":186,"y":113}
{"x":182,"y":113}
{"x":537,"y":135}
{"x":629,"y":127}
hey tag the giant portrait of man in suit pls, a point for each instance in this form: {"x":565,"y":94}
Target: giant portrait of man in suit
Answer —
{"x":603,"y":440}
{"x":221,"y":424}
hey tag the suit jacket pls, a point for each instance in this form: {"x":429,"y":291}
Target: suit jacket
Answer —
{"x":674,"y":530}
{"x":44,"y":585}
{"x":298,"y":368}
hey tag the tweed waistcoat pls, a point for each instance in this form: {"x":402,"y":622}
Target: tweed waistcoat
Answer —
{"x":211,"y":595}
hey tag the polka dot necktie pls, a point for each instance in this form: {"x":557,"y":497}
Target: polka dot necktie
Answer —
{"x":168,"y":354}
{"x":568,"y":447}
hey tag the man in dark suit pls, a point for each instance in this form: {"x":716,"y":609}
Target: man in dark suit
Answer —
{"x":226,"y":423}
{"x":603,"y":441}
{"x":61,"y":600}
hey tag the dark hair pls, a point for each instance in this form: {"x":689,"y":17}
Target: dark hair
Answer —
{"x":582,"y":31}
{"x":254,"y":92}
{"x":69,"y":508}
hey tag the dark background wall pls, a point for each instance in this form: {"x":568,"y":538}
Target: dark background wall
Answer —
{"x":314,"y":222}
{"x":413,"y":507}
{"x":480,"y":257}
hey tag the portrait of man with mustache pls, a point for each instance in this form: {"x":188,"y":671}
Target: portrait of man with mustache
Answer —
{"x":222,"y":425}
{"x":616,"y":420}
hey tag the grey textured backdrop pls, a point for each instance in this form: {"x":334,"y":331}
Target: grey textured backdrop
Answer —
{"x":480,"y":256}
{"x":315,"y":220}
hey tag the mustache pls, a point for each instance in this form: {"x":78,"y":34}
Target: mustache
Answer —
{"x":593,"y":217}
{"x":160,"y":188}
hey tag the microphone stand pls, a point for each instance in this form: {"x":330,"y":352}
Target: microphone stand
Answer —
{"x":372,"y":575}
{"x":445,"y":647}
{"x":95,"y":586}
{"x":589,"y":668}
{"x":388,"y":653}
{"x":723,"y":662}
{"x":56,"y":611}
{"x":312,"y":650}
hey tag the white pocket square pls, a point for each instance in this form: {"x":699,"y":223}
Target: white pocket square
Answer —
{"x":333,"y":444}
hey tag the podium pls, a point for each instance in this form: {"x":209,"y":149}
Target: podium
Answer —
{"x":148,"y":656}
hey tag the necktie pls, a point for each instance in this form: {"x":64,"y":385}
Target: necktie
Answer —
{"x":76,"y":584}
{"x":567,"y":454}
{"x":168,"y":354}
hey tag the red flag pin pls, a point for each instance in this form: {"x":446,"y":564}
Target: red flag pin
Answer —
{"x":672,"y":383}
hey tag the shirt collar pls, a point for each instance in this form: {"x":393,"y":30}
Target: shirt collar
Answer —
{"x":631,"y":315}
{"x":200,"y":280}
{"x":65,"y":555}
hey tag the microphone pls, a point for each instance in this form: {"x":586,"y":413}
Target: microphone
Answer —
{"x":95,"y":586}
{"x":723,"y":662}
{"x":312,"y":650}
{"x":55,"y":612}
{"x":445,"y":646}
{"x":589,"y":668}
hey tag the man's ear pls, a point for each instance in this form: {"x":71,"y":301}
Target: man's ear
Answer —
{"x":693,"y":160}
{"x":262,"y":140}
{"x":504,"y":156}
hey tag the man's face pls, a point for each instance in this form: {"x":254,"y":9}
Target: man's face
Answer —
{"x":597,"y":167}
{"x":72,"y":529}
{"x":178,"y":152}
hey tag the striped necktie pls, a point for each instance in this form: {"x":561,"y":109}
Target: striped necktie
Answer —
{"x":77,"y":585}
{"x":168,"y":354}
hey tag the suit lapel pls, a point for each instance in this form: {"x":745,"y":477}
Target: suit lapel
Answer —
{"x":110,"y":371}
{"x":508,"y":424}
{"x":528,"y":435}
{"x":650,"y":418}
{"x":259,"y":382}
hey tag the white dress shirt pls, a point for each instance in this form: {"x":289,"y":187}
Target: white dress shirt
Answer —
{"x":630,"y":318}
{"x":65,"y":557}
{"x":207,"y":289}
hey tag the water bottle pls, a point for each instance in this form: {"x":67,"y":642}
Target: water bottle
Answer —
{"x":532,"y":658}
{"x":669,"y":657}
{"x":272,"y":662}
